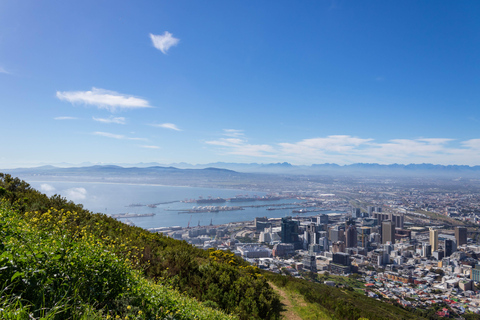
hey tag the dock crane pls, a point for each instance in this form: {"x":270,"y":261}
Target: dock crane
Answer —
{"x":188,"y":225}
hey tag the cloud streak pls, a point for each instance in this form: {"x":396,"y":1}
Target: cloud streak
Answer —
{"x":65,"y":118}
{"x":170,"y":126}
{"x":117,"y":120}
{"x":76,"y":194}
{"x":345,"y":149}
{"x":47,"y":188}
{"x":103,"y":99}
{"x":2,"y":70}
{"x":233,"y":133}
{"x":116,"y":136}
{"x":237,"y":144}
{"x":164,"y":42}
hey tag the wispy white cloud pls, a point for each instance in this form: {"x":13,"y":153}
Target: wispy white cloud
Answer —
{"x":237,"y":144}
{"x":65,"y":118}
{"x":164,"y":42}
{"x":111,"y":119}
{"x":233,"y":133}
{"x":116,"y":136}
{"x":76,"y":194}
{"x":47,"y":188}
{"x":2,"y":70}
{"x":104,"y":99}
{"x":345,"y":149}
{"x":472,"y":144}
{"x":109,"y":135}
{"x":170,"y":126}
{"x":335,"y":143}
{"x":150,"y":147}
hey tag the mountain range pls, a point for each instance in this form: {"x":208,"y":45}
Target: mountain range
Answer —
{"x":235,"y":169}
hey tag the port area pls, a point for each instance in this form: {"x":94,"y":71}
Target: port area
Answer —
{"x":239,"y":198}
{"x":210,"y":209}
{"x":152,"y":205}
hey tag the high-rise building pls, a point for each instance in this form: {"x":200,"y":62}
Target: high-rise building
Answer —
{"x":261,"y":223}
{"x":438,"y":254}
{"x":364,"y":236}
{"x":380,"y":257}
{"x":322,"y":219}
{"x":340,"y":263}
{"x":338,"y":246}
{"x":356,"y":213}
{"x":398,"y":220}
{"x":349,"y":222}
{"x":426,"y":250}
{"x":341,"y":258}
{"x":375,"y":237}
{"x":380,"y":216}
{"x":449,"y":247}
{"x":310,"y":263}
{"x":461,"y":235}
{"x":350,"y":236}
{"x":388,"y":231}
{"x":336,"y":234}
{"x":475,"y":274}
{"x":434,"y":239}
{"x":289,"y":232}
{"x":370,"y":210}
{"x":311,"y":235}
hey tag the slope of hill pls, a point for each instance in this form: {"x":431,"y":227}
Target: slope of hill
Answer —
{"x":49,"y":271}
{"x":58,"y":259}
{"x":220,"y":279}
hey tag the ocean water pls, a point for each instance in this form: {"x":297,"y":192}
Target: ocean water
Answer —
{"x":116,"y":198}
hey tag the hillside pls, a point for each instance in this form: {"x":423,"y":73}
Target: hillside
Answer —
{"x":48,"y":272}
{"x":58,"y":258}
{"x":220,"y":279}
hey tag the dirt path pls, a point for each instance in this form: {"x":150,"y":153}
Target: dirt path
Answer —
{"x":288,"y":312}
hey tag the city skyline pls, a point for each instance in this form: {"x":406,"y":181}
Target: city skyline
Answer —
{"x":305,"y":83}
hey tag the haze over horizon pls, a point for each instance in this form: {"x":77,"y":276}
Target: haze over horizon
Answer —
{"x":267,"y":82}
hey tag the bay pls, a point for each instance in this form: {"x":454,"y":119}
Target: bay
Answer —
{"x":117,"y":198}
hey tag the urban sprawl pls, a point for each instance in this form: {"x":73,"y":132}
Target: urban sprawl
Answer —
{"x":417,"y":247}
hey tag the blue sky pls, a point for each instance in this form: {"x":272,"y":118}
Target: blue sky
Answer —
{"x":239,"y":81}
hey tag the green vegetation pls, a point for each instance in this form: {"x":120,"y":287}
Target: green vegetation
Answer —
{"x":59,"y":261}
{"x":343,"y":303}
{"x":295,"y":304}
{"x":348,"y":282}
{"x":49,"y":273}
{"x":96,"y":264}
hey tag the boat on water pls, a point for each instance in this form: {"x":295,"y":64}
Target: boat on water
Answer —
{"x":243,"y":199}
{"x":210,"y":200}
{"x":300,"y":211}
{"x":268,"y":198}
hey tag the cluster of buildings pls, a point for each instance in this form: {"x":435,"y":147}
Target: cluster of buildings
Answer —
{"x":399,"y":252}
{"x":428,"y":265}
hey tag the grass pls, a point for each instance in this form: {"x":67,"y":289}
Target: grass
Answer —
{"x":223,"y":285}
{"x":307,"y":310}
{"x":341,"y":303}
{"x":47,"y":272}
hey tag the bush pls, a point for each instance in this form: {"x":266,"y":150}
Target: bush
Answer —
{"x":50,"y":273}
